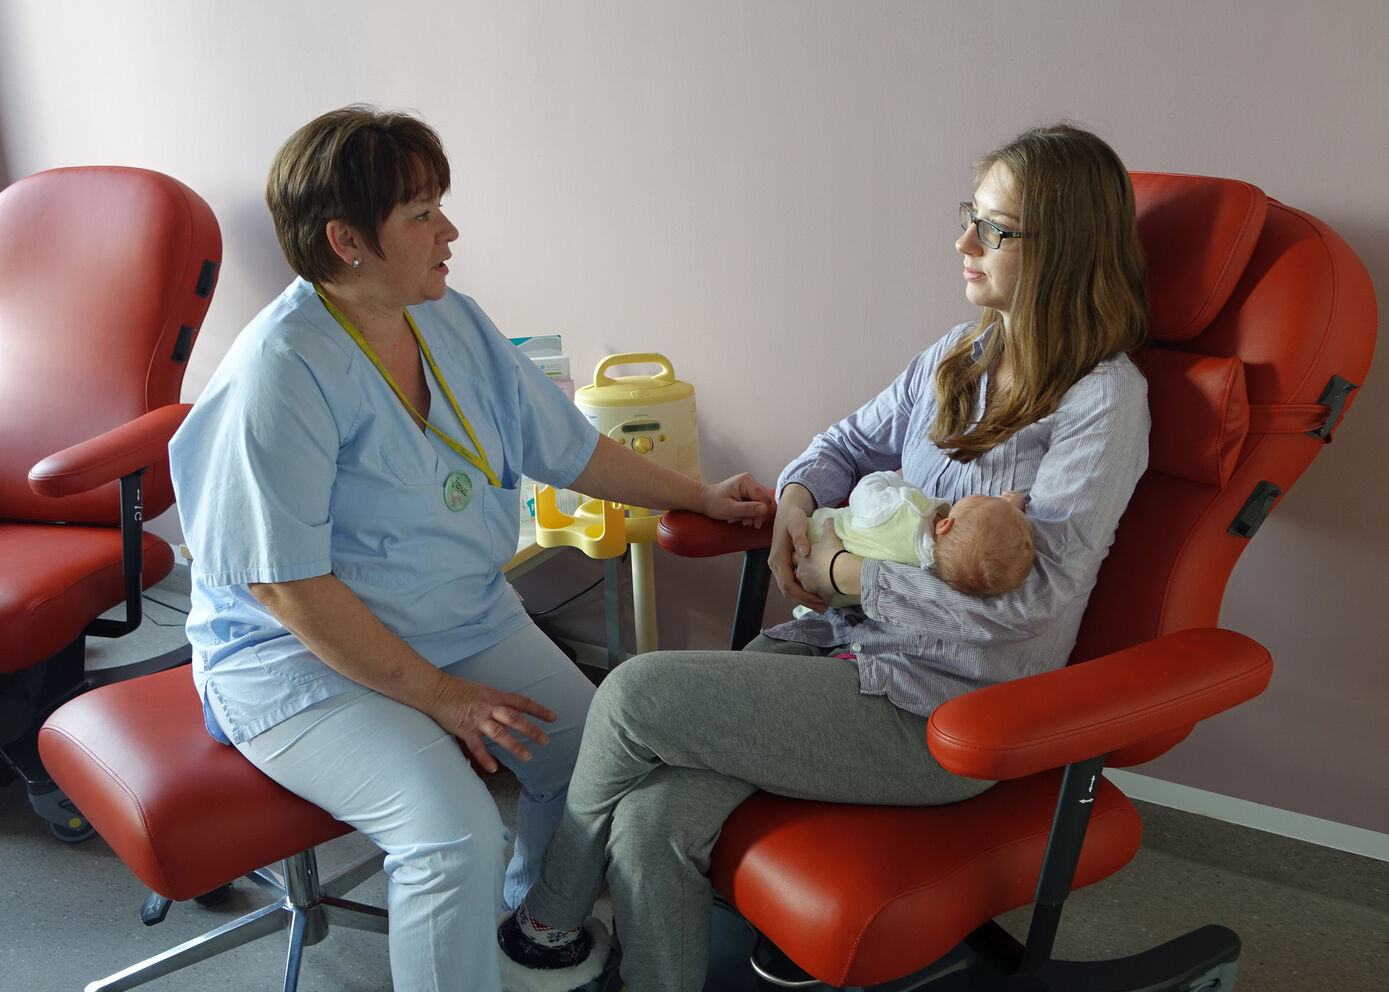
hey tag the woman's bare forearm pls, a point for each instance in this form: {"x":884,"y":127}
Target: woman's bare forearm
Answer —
{"x":330,"y":620}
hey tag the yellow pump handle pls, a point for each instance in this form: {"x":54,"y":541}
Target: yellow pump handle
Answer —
{"x":666,"y":377}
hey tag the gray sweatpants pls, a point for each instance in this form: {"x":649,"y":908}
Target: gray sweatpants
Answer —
{"x":675,"y":740}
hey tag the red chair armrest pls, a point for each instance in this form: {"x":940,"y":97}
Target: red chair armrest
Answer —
{"x":693,"y":535}
{"x":1054,"y":719}
{"x":107,"y":457}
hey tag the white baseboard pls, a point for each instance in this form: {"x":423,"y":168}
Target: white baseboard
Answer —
{"x":1270,"y":819}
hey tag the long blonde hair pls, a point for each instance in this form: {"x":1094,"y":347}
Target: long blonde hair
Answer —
{"x":1081,"y":292}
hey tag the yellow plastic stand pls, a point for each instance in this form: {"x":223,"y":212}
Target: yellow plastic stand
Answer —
{"x":603,"y":529}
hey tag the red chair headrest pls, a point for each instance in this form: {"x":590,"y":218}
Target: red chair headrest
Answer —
{"x":1198,"y":234}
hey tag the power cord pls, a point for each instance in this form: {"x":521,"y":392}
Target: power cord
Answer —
{"x":565,"y":602}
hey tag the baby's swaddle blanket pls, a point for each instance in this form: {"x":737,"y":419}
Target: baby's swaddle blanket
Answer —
{"x":887,"y":518}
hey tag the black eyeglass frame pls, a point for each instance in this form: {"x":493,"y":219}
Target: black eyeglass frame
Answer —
{"x":968,"y":217}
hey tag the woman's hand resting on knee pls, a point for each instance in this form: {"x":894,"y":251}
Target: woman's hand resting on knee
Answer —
{"x":476,"y":713}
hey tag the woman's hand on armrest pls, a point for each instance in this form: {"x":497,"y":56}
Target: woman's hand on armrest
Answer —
{"x":617,"y":473}
{"x":737,"y":499}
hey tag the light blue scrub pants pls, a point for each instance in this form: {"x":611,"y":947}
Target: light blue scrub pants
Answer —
{"x":391,"y":772}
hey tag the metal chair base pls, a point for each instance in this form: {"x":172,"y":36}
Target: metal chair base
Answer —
{"x":1205,"y":960}
{"x":305,"y":908}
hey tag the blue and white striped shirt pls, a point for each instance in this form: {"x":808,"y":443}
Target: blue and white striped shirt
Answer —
{"x":920,"y":642}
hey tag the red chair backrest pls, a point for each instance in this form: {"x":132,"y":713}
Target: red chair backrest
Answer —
{"x":105,"y":275}
{"x":1256,"y":307}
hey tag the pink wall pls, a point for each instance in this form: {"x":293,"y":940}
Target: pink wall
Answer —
{"x":765,"y":192}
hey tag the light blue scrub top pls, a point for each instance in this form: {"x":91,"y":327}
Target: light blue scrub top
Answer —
{"x":298,"y":460}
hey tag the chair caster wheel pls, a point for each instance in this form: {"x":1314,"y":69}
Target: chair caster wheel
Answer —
{"x":71,"y":831}
{"x":65,"y":821}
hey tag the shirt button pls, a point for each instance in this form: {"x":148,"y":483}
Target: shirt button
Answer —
{"x":856,"y":648}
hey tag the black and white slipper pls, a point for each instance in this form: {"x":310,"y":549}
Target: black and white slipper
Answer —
{"x":526,"y":967}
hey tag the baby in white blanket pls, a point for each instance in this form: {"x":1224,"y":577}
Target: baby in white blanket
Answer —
{"x":981,"y":546}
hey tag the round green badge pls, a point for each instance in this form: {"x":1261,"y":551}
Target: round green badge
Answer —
{"x":458,"y":491}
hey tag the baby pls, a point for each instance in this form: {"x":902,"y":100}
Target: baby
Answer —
{"x":981,"y":546}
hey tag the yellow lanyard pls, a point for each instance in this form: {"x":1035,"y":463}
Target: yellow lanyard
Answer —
{"x":478,"y":459}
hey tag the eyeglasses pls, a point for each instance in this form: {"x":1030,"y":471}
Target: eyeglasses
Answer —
{"x":990,"y":234}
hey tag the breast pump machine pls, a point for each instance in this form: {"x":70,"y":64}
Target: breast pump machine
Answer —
{"x":654,"y":416}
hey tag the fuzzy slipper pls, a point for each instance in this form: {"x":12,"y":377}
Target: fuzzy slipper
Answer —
{"x":533,"y":976}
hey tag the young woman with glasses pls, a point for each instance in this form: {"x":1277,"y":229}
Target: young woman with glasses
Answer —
{"x":1038,"y":396}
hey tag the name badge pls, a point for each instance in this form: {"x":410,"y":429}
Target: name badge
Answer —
{"x":458,"y":491}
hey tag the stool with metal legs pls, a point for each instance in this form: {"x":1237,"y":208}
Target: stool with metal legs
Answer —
{"x":305,"y":907}
{"x":188,"y":815}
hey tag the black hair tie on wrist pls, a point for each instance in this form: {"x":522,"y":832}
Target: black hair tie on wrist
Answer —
{"x":835,"y":585}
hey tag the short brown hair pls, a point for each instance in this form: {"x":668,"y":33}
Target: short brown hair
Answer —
{"x":354,"y":165}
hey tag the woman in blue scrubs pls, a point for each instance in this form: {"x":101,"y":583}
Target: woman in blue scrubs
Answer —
{"x":347,"y":484}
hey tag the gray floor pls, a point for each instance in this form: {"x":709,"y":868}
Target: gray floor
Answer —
{"x":70,"y":913}
{"x":1309,"y":918}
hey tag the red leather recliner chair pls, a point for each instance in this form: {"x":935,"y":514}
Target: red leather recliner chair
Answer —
{"x":1263,"y":324}
{"x":105,"y":275}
